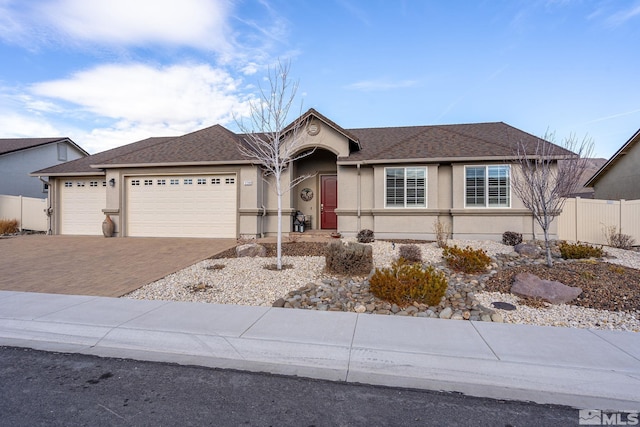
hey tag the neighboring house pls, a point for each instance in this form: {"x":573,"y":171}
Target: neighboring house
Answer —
{"x":394,"y":181}
{"x":592,"y":165}
{"x":619,"y":178}
{"x":20,"y":156}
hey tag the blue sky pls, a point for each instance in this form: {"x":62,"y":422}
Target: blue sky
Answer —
{"x":110,"y":72}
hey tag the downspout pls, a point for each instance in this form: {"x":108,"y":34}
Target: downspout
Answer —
{"x":49,"y":210}
{"x":264,"y":210}
{"x":358,"y":198}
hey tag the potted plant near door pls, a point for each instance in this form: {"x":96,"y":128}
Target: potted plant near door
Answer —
{"x":108,"y":227}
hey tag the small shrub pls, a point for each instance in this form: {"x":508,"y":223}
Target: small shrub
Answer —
{"x":411,"y":253}
{"x":365,"y":236}
{"x":352,"y":259}
{"x":579,"y":250}
{"x":511,"y":238}
{"x":442,"y":232}
{"x":467,"y":260}
{"x":405,"y":283}
{"x":616,"y":269}
{"x":8,"y":226}
{"x":616,"y":239}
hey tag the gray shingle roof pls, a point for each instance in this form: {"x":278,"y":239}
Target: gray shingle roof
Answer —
{"x":10,"y":145}
{"x":83,"y":164}
{"x":217,"y":144}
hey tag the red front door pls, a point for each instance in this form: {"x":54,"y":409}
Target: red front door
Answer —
{"x":328,"y":201}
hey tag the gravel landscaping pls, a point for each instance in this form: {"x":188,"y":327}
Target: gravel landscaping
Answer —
{"x":610,"y":298}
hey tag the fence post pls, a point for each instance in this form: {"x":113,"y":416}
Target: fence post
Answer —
{"x":21,"y":211}
{"x":577,"y":217}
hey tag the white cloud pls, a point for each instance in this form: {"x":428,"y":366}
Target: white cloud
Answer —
{"x":15,"y":125}
{"x":621,"y":17}
{"x":195,"y":23}
{"x":144,"y":94}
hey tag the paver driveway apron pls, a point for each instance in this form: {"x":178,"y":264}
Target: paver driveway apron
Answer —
{"x":94,"y":265}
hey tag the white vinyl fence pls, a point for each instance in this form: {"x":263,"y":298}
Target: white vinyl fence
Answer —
{"x":30,"y":212}
{"x":584,"y":220}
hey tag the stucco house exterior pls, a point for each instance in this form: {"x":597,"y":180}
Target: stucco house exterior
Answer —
{"x":395,"y":181}
{"x":619,"y":177}
{"x":20,"y":156}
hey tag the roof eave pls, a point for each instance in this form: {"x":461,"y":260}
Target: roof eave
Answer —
{"x":171,"y":164}
{"x":610,"y":163}
{"x":510,"y":159}
{"x":56,"y":174}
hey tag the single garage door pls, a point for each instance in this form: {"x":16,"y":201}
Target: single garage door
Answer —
{"x":81,"y":204}
{"x":181,"y":206}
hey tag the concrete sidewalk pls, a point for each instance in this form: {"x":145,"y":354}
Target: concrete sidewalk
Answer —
{"x":586,"y":369}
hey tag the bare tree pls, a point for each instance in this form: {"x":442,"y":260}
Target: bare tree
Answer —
{"x":547,"y":175}
{"x":270,"y":142}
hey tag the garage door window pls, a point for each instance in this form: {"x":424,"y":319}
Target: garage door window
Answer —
{"x":188,"y":181}
{"x":174,"y":182}
{"x":162,"y":182}
{"x":229,"y":181}
{"x":68,"y":184}
{"x":135,"y":182}
{"x":80,"y":184}
{"x":202,"y":181}
{"x":215,"y":181}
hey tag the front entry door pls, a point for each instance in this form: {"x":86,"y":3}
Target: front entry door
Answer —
{"x":328,"y":202}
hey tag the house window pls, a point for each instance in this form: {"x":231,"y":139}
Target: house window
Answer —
{"x":487,"y":186}
{"x":188,"y":181}
{"x":406,"y":187}
{"x":202,"y":181}
{"x":215,"y":181}
{"x":62,"y":152}
{"x":229,"y":181}
{"x":68,"y":184}
{"x":174,"y":182}
{"x":162,"y":182}
{"x":135,"y":182}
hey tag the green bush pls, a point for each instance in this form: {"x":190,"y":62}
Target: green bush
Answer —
{"x":405,"y":283}
{"x":511,"y":238}
{"x":467,"y":260}
{"x":365,"y":236}
{"x":579,"y":250}
{"x":411,"y":253}
{"x":352,"y":259}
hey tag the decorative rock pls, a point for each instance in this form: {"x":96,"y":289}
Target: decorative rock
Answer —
{"x":360,"y":308}
{"x":503,"y":305}
{"x":280,"y":302}
{"x":497,"y":317}
{"x":446,"y":313}
{"x":527,"y":249}
{"x":485,"y":318}
{"x":457,"y":316}
{"x":530,"y":285}
{"x":251,"y":250}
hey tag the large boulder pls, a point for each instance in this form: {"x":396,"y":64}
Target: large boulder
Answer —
{"x":527,"y":249}
{"x":530,"y":285}
{"x":251,"y":250}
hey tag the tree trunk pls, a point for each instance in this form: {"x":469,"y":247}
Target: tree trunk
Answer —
{"x":547,"y":247}
{"x":279,"y":236}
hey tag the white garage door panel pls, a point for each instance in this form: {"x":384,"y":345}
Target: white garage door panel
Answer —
{"x":81,"y":206}
{"x":181,"y":209}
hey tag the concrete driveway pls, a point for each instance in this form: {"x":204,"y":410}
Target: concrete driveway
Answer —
{"x":94,"y":265}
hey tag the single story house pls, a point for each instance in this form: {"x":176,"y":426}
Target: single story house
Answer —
{"x":20,"y":156}
{"x":619,"y":177}
{"x":396,"y":181}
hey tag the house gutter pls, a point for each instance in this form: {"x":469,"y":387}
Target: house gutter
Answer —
{"x":359,"y":195}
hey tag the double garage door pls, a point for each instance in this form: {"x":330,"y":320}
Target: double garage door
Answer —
{"x":181,"y":206}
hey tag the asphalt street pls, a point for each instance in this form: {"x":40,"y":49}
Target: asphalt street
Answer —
{"x":53,"y":389}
